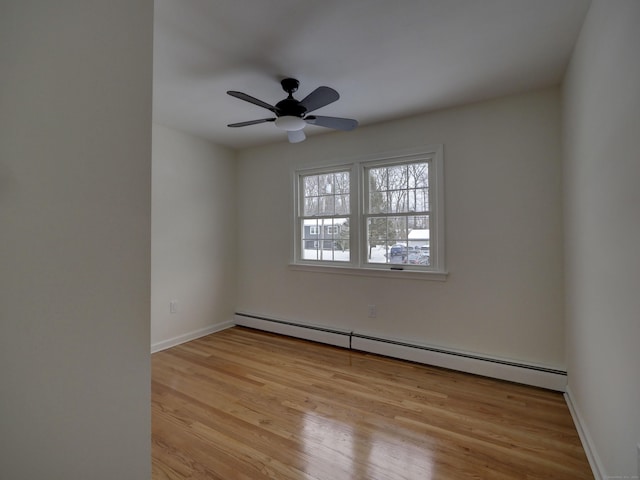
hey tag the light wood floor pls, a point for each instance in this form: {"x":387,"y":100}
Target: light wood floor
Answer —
{"x":243,"y":404}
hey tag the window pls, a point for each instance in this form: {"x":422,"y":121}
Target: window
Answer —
{"x":374,"y":215}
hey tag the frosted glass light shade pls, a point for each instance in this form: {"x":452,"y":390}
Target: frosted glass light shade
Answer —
{"x":290,"y":123}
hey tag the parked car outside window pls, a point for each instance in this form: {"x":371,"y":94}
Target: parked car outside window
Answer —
{"x":397,"y":250}
{"x":418,"y":258}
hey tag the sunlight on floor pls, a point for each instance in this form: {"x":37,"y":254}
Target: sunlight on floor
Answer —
{"x":349,"y":450}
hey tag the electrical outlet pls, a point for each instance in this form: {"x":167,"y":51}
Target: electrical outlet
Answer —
{"x":173,"y":306}
{"x":373,"y":311}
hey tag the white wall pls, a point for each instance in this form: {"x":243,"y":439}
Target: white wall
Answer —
{"x":75,"y":188}
{"x":602,"y":198}
{"x":193,"y":248}
{"x":504,"y":294}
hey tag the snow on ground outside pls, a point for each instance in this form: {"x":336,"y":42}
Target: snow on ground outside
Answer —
{"x":378,"y":255}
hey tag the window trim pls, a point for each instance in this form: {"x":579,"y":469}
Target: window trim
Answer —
{"x":358,"y":264}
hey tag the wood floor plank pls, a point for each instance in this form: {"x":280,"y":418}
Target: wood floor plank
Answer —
{"x":249,"y":405}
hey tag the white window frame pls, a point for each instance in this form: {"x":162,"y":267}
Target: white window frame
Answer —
{"x":358,"y":264}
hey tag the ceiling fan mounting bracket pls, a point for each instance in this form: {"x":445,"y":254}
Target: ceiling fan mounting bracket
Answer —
{"x":290,"y":85}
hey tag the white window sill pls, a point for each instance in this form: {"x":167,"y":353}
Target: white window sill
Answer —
{"x":371,"y":272}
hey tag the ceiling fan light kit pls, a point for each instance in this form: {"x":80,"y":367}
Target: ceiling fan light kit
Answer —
{"x":290,"y":123}
{"x":291,"y":114}
{"x":296,"y":136}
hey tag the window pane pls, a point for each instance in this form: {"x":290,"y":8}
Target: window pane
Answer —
{"x":310,"y":206}
{"x":325,"y":183}
{"x":377,"y":239}
{"x":398,"y":240}
{"x":378,"y":200}
{"x":325,"y":194}
{"x":341,"y":183}
{"x":398,"y":188}
{"x":378,"y":178}
{"x":326,"y":239}
{"x":418,"y":175}
{"x":342,"y":204}
{"x":419,"y":200}
{"x":326,"y":205}
{"x":397,"y":177}
{"x":311,"y":186}
{"x":398,"y":201}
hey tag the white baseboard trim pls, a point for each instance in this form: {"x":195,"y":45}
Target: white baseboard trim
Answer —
{"x":585,"y":438}
{"x":187,"y":337}
{"x":467,"y":362}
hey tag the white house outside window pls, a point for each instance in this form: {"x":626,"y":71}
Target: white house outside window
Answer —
{"x":376,"y":214}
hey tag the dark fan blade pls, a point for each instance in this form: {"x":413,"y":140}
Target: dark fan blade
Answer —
{"x":320,"y":97}
{"x":332,"y":122}
{"x":251,"y":122}
{"x":250,"y":99}
{"x":296,"y":136}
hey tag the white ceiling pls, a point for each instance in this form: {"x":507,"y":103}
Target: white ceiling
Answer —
{"x":387,"y":59}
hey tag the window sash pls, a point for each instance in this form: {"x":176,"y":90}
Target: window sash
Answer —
{"x":323,"y":209}
{"x":330,"y":242}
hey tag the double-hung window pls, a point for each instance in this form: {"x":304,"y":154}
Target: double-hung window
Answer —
{"x":383,"y":213}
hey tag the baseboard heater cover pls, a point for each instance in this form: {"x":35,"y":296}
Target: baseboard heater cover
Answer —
{"x":465,"y":362}
{"x":330,"y":336}
{"x":527,"y":374}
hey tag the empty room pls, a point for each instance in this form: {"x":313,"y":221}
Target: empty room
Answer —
{"x":320,"y":240}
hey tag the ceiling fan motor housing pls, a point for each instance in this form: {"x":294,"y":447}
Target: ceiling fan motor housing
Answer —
{"x":290,"y":107}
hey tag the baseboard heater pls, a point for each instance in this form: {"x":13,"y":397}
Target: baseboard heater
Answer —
{"x":331,"y":336}
{"x":528,"y":374}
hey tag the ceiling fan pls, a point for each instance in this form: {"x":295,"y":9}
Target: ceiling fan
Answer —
{"x":292,"y":115}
